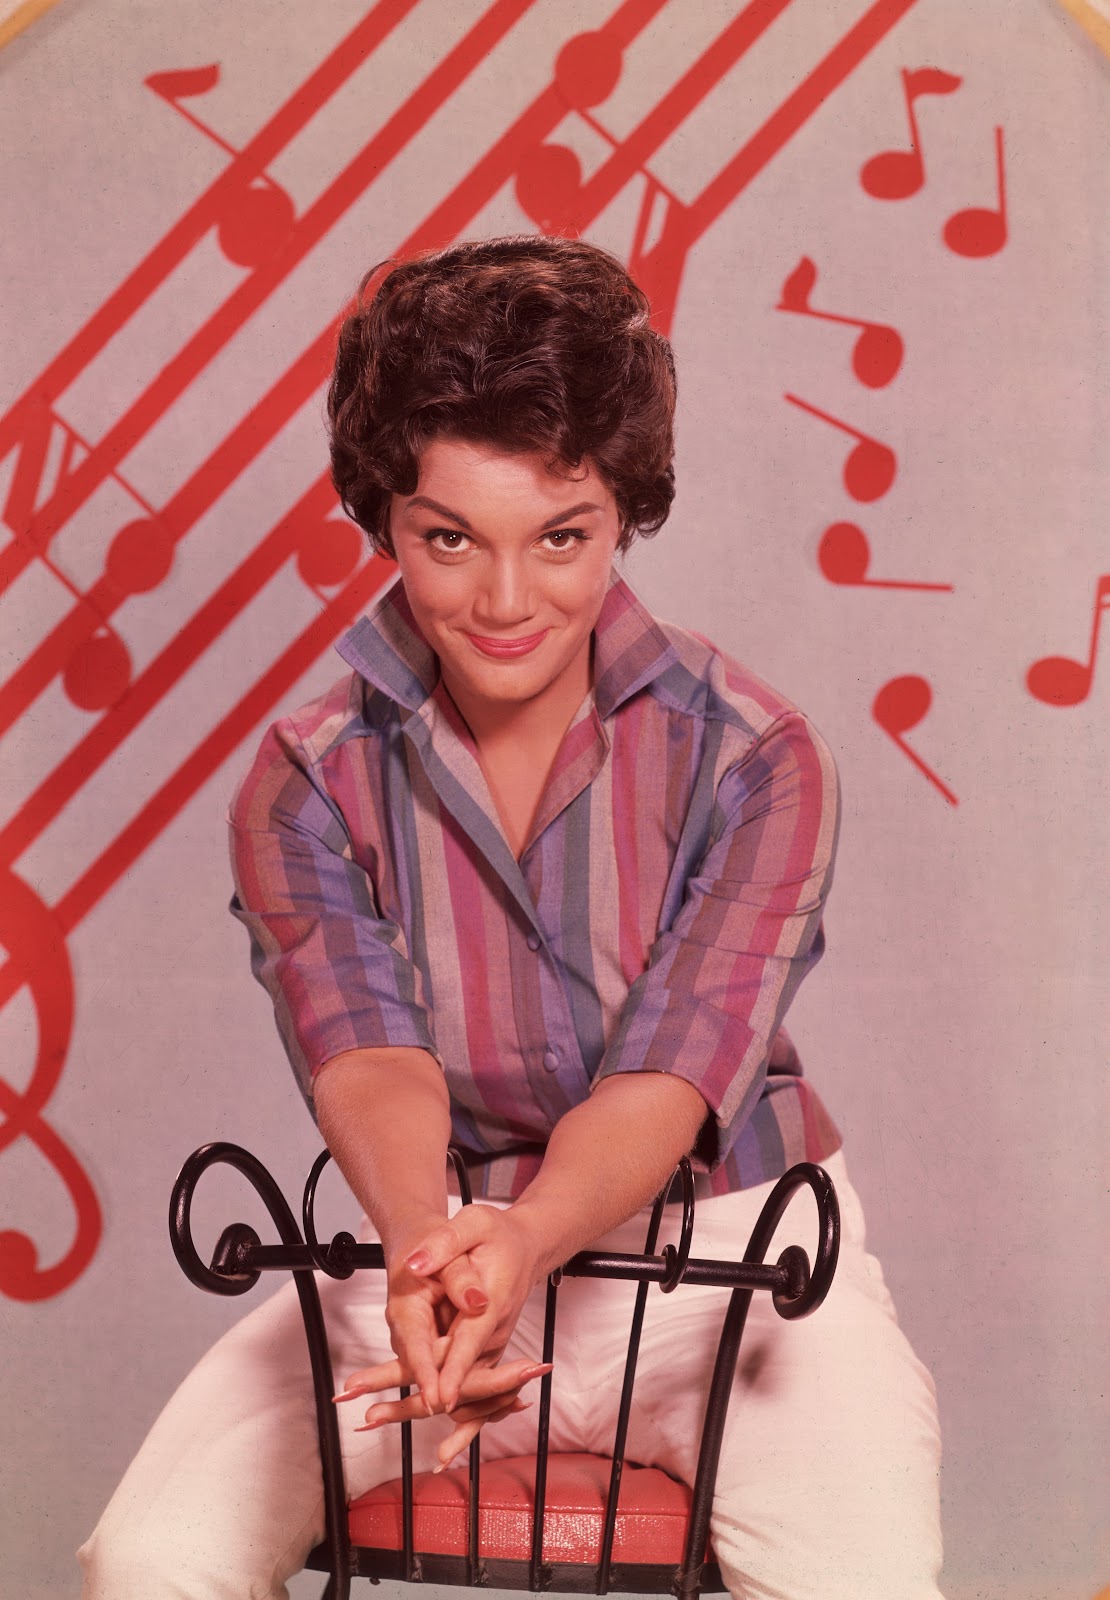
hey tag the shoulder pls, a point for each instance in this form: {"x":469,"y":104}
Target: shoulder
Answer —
{"x":344,"y":711}
{"x":294,"y":749}
{"x":704,"y":681}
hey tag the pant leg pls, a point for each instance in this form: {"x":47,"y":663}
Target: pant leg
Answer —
{"x":224,"y":1499}
{"x":828,"y":1481}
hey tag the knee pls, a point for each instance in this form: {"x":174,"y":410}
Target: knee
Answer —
{"x":151,"y":1564}
{"x":120,"y":1567}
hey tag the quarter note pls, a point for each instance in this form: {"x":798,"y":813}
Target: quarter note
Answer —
{"x":899,"y":706}
{"x":98,"y":672}
{"x":896,"y":174}
{"x":981,"y":230}
{"x":844,"y":557}
{"x":870,"y":467}
{"x":1062,"y":681}
{"x":877,"y":354}
{"x":330,"y":549}
{"x":549,"y":187}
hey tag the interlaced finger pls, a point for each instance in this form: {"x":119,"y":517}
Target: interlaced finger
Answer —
{"x":467,"y":1432}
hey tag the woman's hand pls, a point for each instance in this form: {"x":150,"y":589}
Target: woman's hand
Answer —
{"x":488,"y":1394}
{"x":486,"y":1262}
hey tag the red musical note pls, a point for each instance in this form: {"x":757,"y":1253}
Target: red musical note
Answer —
{"x":844,"y":557}
{"x":899,"y":706}
{"x":32,"y":429}
{"x":870,"y":467}
{"x":256,"y":221}
{"x":896,"y":174}
{"x":878,"y":351}
{"x":36,"y":943}
{"x":981,"y":230}
{"x":1062,"y":681}
{"x":330,"y":552}
{"x":549,"y":188}
{"x":173,"y":87}
{"x":98,"y":671}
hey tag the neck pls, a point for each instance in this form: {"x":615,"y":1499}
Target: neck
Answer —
{"x":538,"y":723}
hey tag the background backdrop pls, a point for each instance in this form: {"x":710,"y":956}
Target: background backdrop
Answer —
{"x":878,"y":235}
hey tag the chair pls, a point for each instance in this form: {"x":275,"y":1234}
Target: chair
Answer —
{"x":571,"y":1523}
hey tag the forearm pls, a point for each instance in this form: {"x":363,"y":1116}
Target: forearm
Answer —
{"x":606,"y":1158}
{"x":385,"y":1117}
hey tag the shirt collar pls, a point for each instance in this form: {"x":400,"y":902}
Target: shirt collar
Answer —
{"x":387,"y":649}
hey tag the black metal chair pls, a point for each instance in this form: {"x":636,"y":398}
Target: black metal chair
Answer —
{"x":576,"y":1524}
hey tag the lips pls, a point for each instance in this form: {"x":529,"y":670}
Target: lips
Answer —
{"x":507,"y":649}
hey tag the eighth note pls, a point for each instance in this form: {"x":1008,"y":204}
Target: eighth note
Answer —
{"x":877,"y":353}
{"x":980,"y":230}
{"x":257,"y":221}
{"x":173,"y":87}
{"x":899,"y":706}
{"x":870,"y":467}
{"x":1062,"y":681}
{"x":896,"y":174}
{"x":844,"y":557}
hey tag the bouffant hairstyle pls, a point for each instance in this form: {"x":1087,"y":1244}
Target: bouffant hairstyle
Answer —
{"x":525,"y":343}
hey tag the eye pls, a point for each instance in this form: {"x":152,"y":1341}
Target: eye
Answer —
{"x":448,"y":541}
{"x":561,"y":539}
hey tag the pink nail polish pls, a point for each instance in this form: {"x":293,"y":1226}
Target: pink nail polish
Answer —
{"x":419,"y":1261}
{"x":476,"y":1300}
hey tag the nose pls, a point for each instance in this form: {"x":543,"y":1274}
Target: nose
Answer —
{"x":507,"y":598}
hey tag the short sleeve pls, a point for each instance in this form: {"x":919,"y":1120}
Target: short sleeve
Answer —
{"x":718,"y":982}
{"x":339,"y":975}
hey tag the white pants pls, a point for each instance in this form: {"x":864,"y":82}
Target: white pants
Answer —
{"x":828,"y":1481}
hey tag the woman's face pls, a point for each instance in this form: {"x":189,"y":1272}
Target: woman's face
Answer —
{"x":505,"y":566}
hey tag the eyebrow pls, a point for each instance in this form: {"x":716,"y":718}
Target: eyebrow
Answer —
{"x":423,"y":500}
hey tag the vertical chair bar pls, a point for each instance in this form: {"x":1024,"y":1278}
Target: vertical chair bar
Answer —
{"x":535,"y":1569}
{"x":407,"y":1561}
{"x":612,"y":1499}
{"x":687,"y":1583}
{"x":473,"y":1564}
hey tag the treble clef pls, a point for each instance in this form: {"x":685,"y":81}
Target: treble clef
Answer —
{"x":39,"y":959}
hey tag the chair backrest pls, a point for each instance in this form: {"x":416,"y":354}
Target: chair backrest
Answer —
{"x":796,"y":1289}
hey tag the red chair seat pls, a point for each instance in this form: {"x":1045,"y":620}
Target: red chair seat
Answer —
{"x":651,"y":1521}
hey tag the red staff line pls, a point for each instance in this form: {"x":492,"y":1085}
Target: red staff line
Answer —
{"x":214,"y":749}
{"x":52,"y":795}
{"x":269,"y":141}
{"x":174,"y":378}
{"x":783,"y":123}
{"x":660,"y":270}
{"x":306,"y":374}
{"x":167,"y":668}
{"x":66,"y":779}
{"x":661,"y":121}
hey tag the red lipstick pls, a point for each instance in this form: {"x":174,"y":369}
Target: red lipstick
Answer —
{"x":507,"y":649}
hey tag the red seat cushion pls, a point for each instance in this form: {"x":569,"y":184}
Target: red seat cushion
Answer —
{"x":651,"y":1521}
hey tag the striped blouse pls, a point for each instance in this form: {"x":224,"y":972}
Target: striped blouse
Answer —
{"x":663,"y":912}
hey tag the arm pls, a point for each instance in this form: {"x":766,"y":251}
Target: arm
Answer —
{"x":385,"y":1116}
{"x":348,"y":1003}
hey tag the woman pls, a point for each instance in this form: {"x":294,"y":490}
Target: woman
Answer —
{"x":540,"y":875}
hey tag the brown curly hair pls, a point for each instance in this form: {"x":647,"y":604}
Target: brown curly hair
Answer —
{"x":526,"y":343}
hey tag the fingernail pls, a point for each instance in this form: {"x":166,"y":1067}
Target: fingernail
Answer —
{"x":366,"y":1427}
{"x":441,"y":1468}
{"x":476,"y":1300}
{"x":536,"y":1372}
{"x":419,"y":1261}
